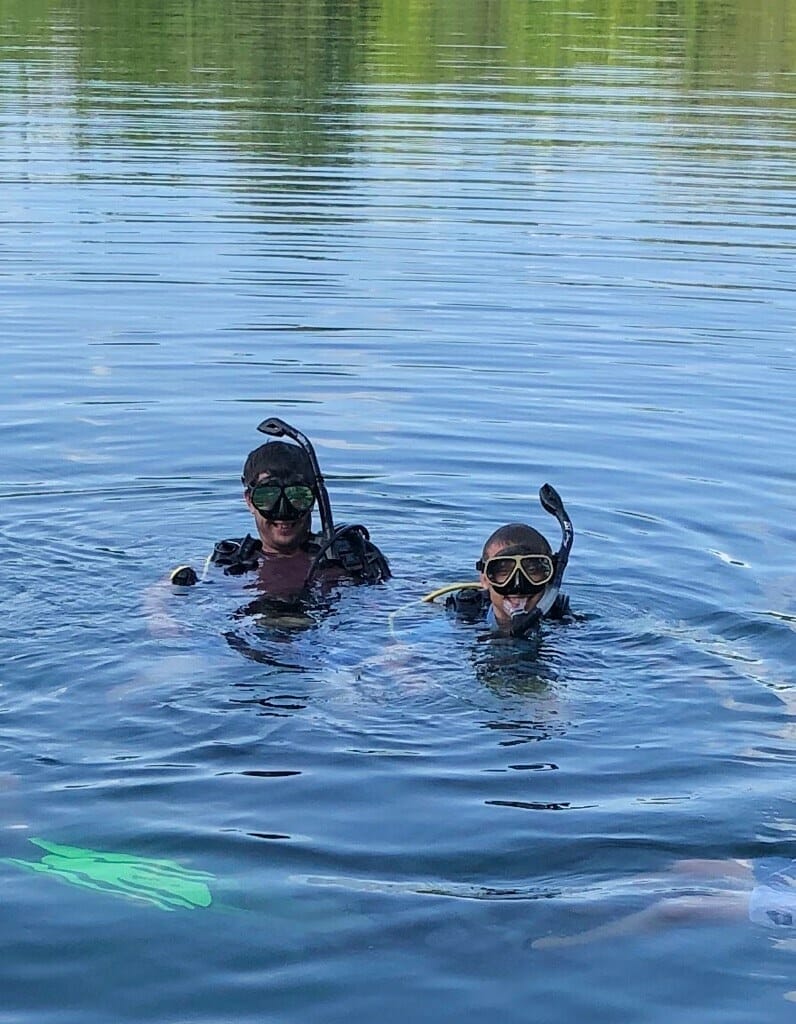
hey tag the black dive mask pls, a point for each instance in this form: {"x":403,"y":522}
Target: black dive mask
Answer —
{"x":276,"y":501}
{"x":520,"y":573}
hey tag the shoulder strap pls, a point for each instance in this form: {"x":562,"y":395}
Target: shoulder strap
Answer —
{"x":468,"y":604}
{"x":351,"y":548}
{"x":237,"y":556}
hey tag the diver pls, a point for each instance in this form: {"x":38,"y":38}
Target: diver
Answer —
{"x":282,"y":485}
{"x":520,"y":577}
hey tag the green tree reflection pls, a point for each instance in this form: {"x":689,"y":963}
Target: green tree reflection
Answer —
{"x":293,"y":71}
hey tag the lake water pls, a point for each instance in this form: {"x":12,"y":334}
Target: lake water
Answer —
{"x":467,"y":248}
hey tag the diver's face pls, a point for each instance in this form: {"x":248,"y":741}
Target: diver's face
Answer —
{"x":279,"y":536}
{"x":504,"y":605}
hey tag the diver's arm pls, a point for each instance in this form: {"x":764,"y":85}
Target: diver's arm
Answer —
{"x":158,"y":601}
{"x":711,"y":868}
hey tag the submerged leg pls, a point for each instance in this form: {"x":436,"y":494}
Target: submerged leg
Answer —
{"x":675,"y":911}
{"x":715,"y":869}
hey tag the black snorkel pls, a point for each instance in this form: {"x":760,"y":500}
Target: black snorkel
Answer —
{"x":523,"y":622}
{"x":275,"y":427}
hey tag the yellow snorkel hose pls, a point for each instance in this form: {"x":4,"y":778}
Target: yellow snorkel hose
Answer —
{"x":428,"y":599}
{"x":470,"y":585}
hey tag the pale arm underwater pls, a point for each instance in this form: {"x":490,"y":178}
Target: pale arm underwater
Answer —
{"x":730,"y":886}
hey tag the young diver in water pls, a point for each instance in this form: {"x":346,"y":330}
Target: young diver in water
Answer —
{"x":282,"y":484}
{"x":520,"y":577}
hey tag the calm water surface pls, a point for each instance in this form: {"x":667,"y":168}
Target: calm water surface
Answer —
{"x":466,"y":248}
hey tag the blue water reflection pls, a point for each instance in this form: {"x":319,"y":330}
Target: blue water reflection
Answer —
{"x":461,"y":278}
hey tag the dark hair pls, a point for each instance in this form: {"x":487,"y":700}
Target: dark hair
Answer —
{"x":281,"y":459}
{"x":524,"y":538}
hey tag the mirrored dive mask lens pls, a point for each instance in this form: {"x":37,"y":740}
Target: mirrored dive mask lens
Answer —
{"x":275,"y":501}
{"x":300,"y":497}
{"x":265,"y":496}
{"x":505,"y":570}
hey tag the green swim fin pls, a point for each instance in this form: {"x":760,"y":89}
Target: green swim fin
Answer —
{"x":160,"y":883}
